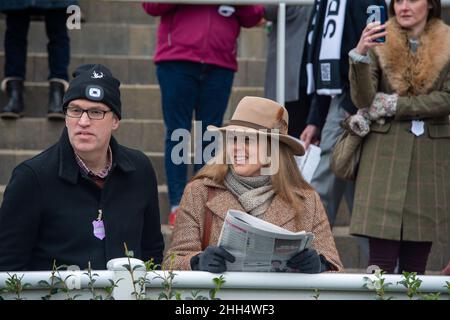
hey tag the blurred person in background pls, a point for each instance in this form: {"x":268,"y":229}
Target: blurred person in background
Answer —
{"x":18,"y":16}
{"x":196,"y":58}
{"x":297,"y":101}
{"x":331,"y":102}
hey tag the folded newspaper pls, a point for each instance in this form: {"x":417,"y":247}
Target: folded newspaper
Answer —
{"x":259,"y":245}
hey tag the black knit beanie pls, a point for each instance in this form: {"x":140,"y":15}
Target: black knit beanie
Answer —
{"x":94,"y":82}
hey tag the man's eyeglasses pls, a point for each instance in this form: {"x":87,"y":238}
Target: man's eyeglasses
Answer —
{"x":93,"y":114}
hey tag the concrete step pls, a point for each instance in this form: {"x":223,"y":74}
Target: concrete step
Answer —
{"x":111,"y":11}
{"x":136,"y":69}
{"x":97,"y":38}
{"x":115,"y":12}
{"x":138,"y":101}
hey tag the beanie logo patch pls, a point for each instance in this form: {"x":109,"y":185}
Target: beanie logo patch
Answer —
{"x":96,"y":75}
{"x":94,"y":93}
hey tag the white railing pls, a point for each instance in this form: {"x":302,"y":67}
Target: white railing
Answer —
{"x":237,"y":286}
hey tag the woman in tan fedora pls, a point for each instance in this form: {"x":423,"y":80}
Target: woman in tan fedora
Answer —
{"x":282,"y":197}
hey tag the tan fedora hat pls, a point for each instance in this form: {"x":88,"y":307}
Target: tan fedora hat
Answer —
{"x":261,"y":115}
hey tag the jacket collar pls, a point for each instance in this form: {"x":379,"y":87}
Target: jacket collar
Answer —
{"x":69,"y":169}
{"x":278,"y":213}
{"x":418,"y":73}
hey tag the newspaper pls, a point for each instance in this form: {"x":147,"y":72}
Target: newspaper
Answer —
{"x":309,"y":162}
{"x":259,"y":245}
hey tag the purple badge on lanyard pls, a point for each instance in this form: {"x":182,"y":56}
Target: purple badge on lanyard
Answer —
{"x":99,"y":227}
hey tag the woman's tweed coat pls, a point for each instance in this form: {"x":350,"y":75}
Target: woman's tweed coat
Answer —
{"x":404,"y":180}
{"x":189,"y":228}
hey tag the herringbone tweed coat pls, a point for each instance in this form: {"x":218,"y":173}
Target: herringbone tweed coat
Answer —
{"x":404,"y":179}
{"x":189,"y":228}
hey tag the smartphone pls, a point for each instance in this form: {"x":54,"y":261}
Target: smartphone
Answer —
{"x":377,"y":14}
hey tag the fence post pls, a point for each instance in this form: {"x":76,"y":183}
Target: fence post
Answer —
{"x":122,"y":277}
{"x":281,"y":38}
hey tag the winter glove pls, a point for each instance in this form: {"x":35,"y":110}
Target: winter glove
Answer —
{"x":307,"y":261}
{"x":383,"y":106}
{"x":360,"y":122}
{"x":212,"y":260}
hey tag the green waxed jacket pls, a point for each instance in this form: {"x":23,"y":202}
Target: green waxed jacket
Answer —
{"x":403,"y":183}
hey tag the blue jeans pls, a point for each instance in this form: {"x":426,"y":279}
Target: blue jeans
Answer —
{"x":187,"y":87}
{"x":58,"y":47}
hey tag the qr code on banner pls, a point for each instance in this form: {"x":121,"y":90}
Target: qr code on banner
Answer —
{"x":325,"y":70}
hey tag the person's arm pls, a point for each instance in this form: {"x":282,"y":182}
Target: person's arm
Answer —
{"x":186,"y":237}
{"x":316,"y":119}
{"x":152,"y":238}
{"x":363,"y":76}
{"x":434,"y":104}
{"x":324,"y":241}
{"x":249,"y":15}
{"x":364,"y":70}
{"x":20,"y":217}
{"x":157,"y":9}
{"x":318,"y":111}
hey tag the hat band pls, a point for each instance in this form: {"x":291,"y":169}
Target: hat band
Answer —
{"x":249,"y":125}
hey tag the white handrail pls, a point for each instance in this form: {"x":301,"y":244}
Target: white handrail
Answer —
{"x":292,"y":281}
{"x":336,"y":285}
{"x":236,"y":280}
{"x":74,"y":279}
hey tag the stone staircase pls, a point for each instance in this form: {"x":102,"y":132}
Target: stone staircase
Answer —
{"x":122,"y":37}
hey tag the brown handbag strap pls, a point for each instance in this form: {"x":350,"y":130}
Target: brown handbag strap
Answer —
{"x":207,"y":220}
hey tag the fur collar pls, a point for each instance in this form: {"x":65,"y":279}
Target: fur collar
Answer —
{"x":411,"y":73}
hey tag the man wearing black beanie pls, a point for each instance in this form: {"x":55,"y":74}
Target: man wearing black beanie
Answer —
{"x":80,"y":200}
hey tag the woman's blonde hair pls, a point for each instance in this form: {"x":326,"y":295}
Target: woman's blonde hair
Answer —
{"x":287,"y":182}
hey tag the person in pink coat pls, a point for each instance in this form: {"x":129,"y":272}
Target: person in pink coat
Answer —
{"x":195,"y":65}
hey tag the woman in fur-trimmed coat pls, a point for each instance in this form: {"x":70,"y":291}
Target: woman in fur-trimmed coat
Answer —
{"x":402,"y":199}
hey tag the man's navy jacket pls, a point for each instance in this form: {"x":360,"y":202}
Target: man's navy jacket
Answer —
{"x":49,"y":206}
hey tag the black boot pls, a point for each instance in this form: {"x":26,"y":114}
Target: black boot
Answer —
{"x":55,"y":98}
{"x":14,"y":108}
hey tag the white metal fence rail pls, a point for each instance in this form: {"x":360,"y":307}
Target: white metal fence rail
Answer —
{"x":238,"y":285}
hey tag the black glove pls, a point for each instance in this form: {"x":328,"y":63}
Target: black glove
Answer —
{"x":212,"y":260}
{"x":307,"y":261}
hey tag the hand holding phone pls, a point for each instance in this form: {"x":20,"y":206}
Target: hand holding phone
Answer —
{"x":374,"y":34}
{"x":377,"y":14}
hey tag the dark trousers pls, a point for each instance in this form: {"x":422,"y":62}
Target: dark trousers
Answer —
{"x":187,"y":87}
{"x":412,"y":256}
{"x":298,"y":114}
{"x":58,"y":47}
